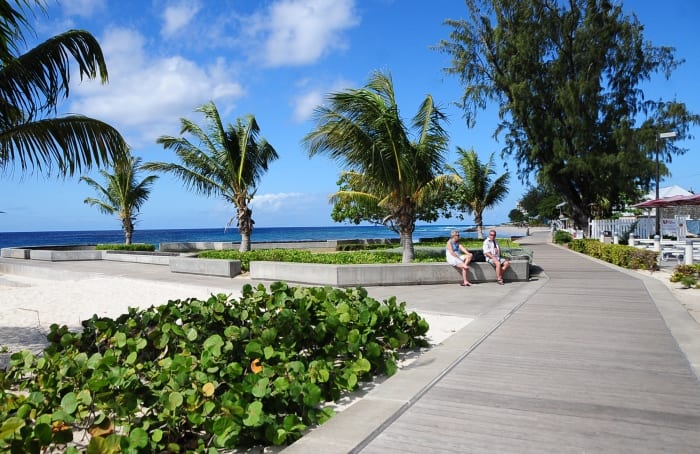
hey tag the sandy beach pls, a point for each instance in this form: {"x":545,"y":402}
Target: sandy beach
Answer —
{"x":28,"y":306}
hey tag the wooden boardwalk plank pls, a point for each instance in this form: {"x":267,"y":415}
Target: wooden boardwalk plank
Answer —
{"x":586,"y":365}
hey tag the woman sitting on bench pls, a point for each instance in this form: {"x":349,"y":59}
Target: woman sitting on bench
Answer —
{"x":454,"y":258}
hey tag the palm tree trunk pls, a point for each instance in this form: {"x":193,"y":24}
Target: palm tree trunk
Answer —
{"x":479,"y":221}
{"x":245,"y":227}
{"x":406,"y":223}
{"x":245,"y":242}
{"x":407,"y":241}
{"x":128,"y":231}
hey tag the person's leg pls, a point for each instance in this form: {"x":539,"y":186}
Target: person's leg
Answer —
{"x":499,"y":273}
{"x":465,"y":277}
{"x":504,"y":267}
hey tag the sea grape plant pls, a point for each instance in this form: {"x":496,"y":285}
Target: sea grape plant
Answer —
{"x":196,"y":376}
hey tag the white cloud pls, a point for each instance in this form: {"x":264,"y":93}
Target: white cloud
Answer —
{"x":147,"y":95}
{"x":305,"y":104}
{"x":83,"y":8}
{"x":175,"y":18}
{"x":273,"y":203}
{"x":299,"y":32}
{"x":291,"y":209}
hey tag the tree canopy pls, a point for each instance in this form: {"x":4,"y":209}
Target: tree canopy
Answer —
{"x":386,"y":169}
{"x":225,"y":160}
{"x":540,"y":203}
{"x":123,"y":194}
{"x":476,"y":189}
{"x":566,"y":77}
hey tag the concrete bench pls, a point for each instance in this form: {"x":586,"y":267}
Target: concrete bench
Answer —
{"x":14,"y":253}
{"x":151,"y":258}
{"x":51,"y":255}
{"x":209,"y":267}
{"x":382,"y":274}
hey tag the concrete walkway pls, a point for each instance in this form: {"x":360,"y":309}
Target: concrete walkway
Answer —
{"x":585,"y":357}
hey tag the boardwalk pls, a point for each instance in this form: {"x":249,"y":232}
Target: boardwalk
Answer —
{"x":587,"y":364}
{"x":581,"y":359}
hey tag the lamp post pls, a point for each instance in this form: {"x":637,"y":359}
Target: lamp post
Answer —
{"x":663,"y":135}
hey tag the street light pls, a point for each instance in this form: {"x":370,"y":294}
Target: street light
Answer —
{"x":663,"y":135}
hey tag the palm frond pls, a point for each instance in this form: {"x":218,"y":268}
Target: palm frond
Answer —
{"x":357,"y":197}
{"x":72,"y":144}
{"x":36,"y":80}
{"x":13,"y":27}
{"x":101,"y":205}
{"x":122,"y":193}
{"x":189,"y":176}
{"x":228,"y":161}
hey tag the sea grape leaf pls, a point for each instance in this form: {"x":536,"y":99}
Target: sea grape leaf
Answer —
{"x":213,"y":344}
{"x":69,"y":402}
{"x":138,"y":438}
{"x":260,"y":388}
{"x":254,"y":412}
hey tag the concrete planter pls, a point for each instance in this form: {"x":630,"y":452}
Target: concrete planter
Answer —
{"x":209,"y":267}
{"x":382,"y":274}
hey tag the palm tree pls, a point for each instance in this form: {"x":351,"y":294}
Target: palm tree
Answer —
{"x":123,"y":195}
{"x":230,"y":163}
{"x":362,"y":130}
{"x":31,"y":85}
{"x":475,"y":192}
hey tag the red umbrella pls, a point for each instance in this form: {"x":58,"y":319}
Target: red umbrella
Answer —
{"x":675,"y":201}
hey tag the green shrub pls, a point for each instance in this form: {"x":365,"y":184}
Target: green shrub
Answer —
{"x":681,"y":272}
{"x":689,"y":281}
{"x":423,"y":253}
{"x":562,"y":237}
{"x":126,"y":247}
{"x":329,"y":258}
{"x":617,"y":254}
{"x":200,"y":375}
{"x":360,"y":245}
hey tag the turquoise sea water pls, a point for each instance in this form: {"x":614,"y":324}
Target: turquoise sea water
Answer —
{"x":261,"y":234}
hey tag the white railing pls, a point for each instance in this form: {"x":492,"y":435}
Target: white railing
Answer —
{"x":644,"y":227}
{"x":684,"y":252}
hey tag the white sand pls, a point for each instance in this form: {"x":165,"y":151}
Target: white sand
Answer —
{"x":28,"y":306}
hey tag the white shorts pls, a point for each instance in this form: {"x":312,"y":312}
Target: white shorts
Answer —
{"x":454,"y":261}
{"x":501,"y":259}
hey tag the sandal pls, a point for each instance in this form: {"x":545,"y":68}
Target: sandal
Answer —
{"x":500,"y":282}
{"x":468,"y":284}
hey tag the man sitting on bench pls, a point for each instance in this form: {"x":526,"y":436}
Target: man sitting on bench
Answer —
{"x":492,"y":252}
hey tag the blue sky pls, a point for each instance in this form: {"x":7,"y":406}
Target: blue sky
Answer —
{"x":277,"y":59}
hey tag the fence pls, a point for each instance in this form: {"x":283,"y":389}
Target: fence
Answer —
{"x":643,"y":227}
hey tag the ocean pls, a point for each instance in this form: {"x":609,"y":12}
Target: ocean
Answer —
{"x":260,"y":235}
